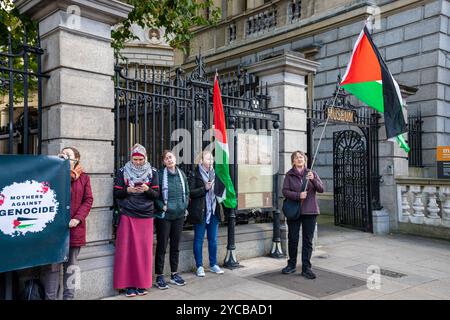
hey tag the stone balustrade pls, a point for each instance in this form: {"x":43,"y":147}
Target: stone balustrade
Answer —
{"x":424,"y":201}
{"x":261,"y":22}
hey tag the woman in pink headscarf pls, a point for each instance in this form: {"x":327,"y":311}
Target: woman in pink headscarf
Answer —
{"x":135,"y":188}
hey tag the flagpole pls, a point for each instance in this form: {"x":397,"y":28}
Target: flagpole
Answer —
{"x":324,"y":127}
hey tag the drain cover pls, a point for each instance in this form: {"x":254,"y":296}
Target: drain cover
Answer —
{"x":326,"y":283}
{"x":392,"y":274}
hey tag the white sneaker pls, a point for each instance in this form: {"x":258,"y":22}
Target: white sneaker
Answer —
{"x":200,"y":272}
{"x":216,"y":269}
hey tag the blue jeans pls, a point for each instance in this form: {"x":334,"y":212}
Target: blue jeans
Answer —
{"x":199,"y":235}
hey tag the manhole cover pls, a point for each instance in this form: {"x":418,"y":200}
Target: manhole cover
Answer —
{"x":326,"y":283}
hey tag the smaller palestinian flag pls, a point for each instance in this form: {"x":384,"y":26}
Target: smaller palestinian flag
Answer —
{"x":367,"y":77}
{"x":17,"y":223}
{"x":223,"y":185}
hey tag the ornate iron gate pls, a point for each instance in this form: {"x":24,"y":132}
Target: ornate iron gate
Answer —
{"x":350,"y":177}
{"x":21,"y":86}
{"x":355,"y":159}
{"x":151,"y":103}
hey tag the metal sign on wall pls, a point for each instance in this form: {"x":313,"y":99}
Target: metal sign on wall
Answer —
{"x":443,"y":162}
{"x":34,"y":211}
{"x":340,"y":114}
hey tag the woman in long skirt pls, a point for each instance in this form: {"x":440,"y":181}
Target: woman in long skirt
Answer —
{"x":135,"y":188}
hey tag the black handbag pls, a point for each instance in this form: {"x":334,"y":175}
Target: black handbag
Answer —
{"x":291,"y":208}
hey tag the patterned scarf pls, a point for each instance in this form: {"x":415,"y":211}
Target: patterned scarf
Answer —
{"x":210,"y":196}
{"x":133,"y":173}
{"x":165,"y":185}
{"x":76,"y":172}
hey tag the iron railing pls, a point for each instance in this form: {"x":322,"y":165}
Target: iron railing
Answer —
{"x":367,"y":121}
{"x":150,"y":106}
{"x":415,"y":140}
{"x":21,"y":85}
{"x":262,"y":21}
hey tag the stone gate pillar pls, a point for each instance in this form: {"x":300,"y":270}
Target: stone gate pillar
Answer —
{"x":393,"y":162}
{"x":285,"y":77}
{"x":78,"y":100}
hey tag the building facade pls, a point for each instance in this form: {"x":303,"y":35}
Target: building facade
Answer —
{"x":412,"y":37}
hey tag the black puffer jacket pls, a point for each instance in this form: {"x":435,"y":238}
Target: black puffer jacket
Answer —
{"x":137,"y":205}
{"x":197,"y":203}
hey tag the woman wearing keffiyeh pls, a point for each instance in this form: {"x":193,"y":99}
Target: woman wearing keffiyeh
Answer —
{"x":136,"y":188}
{"x":204,"y":213}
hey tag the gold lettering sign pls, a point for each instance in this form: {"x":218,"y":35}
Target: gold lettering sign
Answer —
{"x":338,"y":114}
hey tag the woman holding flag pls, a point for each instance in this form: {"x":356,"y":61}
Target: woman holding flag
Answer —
{"x":309,"y":210}
{"x":204,"y":213}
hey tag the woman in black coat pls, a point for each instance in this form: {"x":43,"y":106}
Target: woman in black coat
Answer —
{"x":204,"y":213}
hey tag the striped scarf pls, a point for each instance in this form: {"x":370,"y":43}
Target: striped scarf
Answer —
{"x":76,"y":173}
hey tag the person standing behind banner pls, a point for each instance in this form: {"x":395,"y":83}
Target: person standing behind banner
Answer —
{"x":309,"y":212}
{"x":136,"y":188}
{"x":81,"y":200}
{"x":173,"y":201}
{"x":204,"y":213}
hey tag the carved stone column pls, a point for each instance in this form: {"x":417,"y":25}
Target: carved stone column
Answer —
{"x":418,"y":216}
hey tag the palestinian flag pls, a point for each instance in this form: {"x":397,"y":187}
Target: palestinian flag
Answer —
{"x":223,"y":186}
{"x":368,"y":78}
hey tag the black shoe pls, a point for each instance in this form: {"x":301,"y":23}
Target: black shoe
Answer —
{"x":161,"y":283}
{"x":288,"y":270}
{"x":176,"y":279}
{"x":141,"y":291}
{"x":308,"y":274}
{"x":130,"y":292}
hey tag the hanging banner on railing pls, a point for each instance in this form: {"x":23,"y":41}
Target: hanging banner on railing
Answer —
{"x":34,"y":211}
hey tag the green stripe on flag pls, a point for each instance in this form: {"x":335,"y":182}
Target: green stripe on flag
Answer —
{"x":368,"y":92}
{"x":222,"y":168}
{"x":401,"y":141}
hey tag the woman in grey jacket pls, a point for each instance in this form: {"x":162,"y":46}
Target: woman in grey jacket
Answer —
{"x":309,"y":212}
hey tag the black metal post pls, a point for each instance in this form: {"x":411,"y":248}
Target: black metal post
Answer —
{"x":11,"y":97}
{"x":276,"y":251}
{"x":231,"y":259}
{"x":25,"y":94}
{"x":117,"y":150}
{"x":39,"y":71}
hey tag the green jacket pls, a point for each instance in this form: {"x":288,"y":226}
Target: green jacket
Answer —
{"x":175,"y":206}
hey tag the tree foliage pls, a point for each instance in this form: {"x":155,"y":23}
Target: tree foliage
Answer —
{"x":12,"y":37}
{"x":178,"y":17}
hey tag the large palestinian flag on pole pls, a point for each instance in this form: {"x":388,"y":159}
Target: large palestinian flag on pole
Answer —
{"x":368,"y":78}
{"x":223,"y":186}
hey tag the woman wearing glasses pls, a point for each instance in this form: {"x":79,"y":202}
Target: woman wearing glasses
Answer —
{"x":81,"y":200}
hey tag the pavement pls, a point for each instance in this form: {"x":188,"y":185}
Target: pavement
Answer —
{"x":350,"y":265}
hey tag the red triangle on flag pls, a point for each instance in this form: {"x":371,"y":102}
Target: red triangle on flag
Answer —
{"x":364,"y":65}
